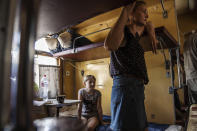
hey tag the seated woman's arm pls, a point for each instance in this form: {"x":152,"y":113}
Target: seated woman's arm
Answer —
{"x":79,"y":106}
{"x":100,"y":111}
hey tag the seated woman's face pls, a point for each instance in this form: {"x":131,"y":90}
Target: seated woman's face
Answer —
{"x":90,"y":83}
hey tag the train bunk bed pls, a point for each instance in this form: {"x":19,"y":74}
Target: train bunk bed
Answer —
{"x":86,"y":52}
{"x":68,"y":45}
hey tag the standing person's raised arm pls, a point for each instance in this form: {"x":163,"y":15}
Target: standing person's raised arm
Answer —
{"x":151,"y":32}
{"x":116,"y":35}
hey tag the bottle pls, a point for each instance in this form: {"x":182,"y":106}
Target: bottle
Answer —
{"x":44,"y":88}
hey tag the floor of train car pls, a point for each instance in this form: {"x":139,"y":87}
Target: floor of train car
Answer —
{"x":182,"y":114}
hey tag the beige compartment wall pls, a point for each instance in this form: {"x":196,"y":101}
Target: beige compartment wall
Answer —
{"x":159,"y":103}
{"x":68,"y":80}
{"x":170,"y":23}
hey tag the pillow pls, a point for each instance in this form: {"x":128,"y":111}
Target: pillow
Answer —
{"x":52,"y":43}
{"x":65,"y":39}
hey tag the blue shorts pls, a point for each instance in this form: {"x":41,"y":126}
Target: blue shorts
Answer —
{"x":127,"y":104}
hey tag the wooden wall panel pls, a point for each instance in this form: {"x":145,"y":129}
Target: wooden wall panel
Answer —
{"x":68,"y":80}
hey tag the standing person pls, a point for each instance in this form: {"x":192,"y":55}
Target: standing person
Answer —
{"x":128,"y":68}
{"x":190,"y":65}
{"x":90,"y":108}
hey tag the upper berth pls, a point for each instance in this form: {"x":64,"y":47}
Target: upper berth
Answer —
{"x":87,"y":17}
{"x":96,"y":50}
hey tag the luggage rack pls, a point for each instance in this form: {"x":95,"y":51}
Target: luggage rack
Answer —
{"x":77,"y":53}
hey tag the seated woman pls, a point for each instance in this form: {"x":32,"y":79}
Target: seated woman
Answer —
{"x":90,"y":109}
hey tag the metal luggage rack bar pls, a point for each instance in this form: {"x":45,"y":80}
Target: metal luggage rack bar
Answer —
{"x":169,"y":63}
{"x":77,"y":38}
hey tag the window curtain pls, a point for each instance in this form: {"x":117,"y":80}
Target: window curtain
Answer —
{"x":53,"y":75}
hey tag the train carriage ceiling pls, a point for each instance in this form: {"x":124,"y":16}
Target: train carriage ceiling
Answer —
{"x":55,"y":15}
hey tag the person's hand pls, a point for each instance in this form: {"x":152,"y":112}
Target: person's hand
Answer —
{"x":128,"y":10}
{"x":151,"y":32}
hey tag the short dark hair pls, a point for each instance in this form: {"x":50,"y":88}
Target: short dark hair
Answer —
{"x":139,"y":3}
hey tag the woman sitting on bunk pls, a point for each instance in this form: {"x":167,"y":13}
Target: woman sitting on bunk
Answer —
{"x":90,"y":110}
